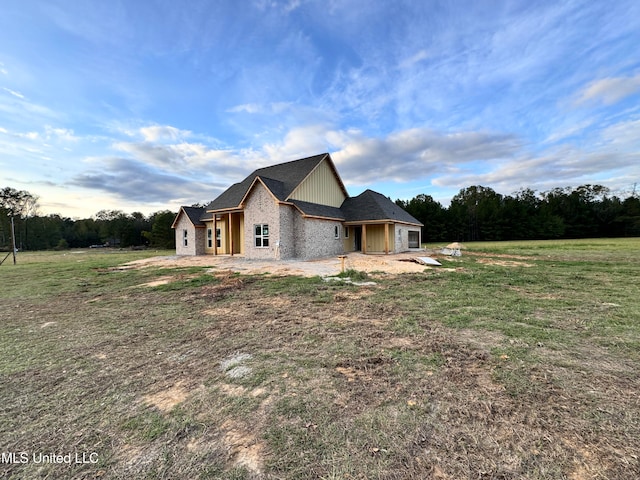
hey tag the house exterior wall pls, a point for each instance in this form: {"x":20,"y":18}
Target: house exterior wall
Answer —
{"x":315,"y":238}
{"x":375,"y":238}
{"x":321,"y":186}
{"x":237,"y":233}
{"x":348,"y":239}
{"x":209,"y":228}
{"x":195,"y":237}
{"x":222,"y":226}
{"x":286,"y":247}
{"x":402,"y":237}
{"x":261,"y":208}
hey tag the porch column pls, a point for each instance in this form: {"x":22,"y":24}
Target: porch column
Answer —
{"x":230,"y":233}
{"x":215,"y":234}
{"x":364,"y":238}
{"x":386,"y":238}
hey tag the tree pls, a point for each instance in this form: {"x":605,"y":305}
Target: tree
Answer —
{"x":17,"y":203}
{"x":162,"y":235}
{"x":430,"y":213}
{"x":477,"y":214}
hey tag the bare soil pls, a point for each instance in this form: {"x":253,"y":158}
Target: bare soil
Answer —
{"x":392,"y":264}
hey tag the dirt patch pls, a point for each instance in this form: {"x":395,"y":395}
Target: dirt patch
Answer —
{"x":165,"y":400}
{"x":159,"y":281}
{"x":503,"y":263}
{"x":232,"y":390}
{"x":245,"y":450}
{"x":378,"y":263}
{"x":497,"y":255}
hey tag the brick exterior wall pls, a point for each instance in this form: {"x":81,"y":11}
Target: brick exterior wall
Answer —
{"x":196,"y":240}
{"x":315,"y":238}
{"x":287,"y":247}
{"x":402,"y":237}
{"x":261,"y":208}
{"x":290,"y":235}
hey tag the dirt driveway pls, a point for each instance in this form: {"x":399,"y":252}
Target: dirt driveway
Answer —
{"x":393,"y":263}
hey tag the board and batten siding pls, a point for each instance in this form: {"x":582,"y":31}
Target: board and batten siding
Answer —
{"x":321,"y":186}
{"x":375,"y":238}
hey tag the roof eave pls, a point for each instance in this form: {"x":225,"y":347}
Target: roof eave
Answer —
{"x":381,"y":220}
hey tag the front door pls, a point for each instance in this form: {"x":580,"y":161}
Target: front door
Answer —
{"x":357,"y":238}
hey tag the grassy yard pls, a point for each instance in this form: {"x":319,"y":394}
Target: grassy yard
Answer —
{"x":518,"y":360}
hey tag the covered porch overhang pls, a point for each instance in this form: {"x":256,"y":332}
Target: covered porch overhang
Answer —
{"x":373,"y":236}
{"x":228,"y":231}
{"x":377,"y":236}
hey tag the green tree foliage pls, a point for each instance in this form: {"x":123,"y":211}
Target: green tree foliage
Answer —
{"x":475,"y":213}
{"x":107,"y":227}
{"x":161,"y":234}
{"x":19,"y":205}
{"x":431,"y":213}
{"x":479,"y":213}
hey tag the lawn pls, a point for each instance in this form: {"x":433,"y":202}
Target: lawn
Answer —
{"x":518,"y":360}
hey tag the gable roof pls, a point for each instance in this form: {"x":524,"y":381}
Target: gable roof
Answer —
{"x":194,"y":214}
{"x":281,"y":180}
{"x":309,"y":209}
{"x":373,"y":206}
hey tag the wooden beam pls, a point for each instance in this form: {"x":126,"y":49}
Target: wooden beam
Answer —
{"x":386,"y":238}
{"x":215,"y":235}
{"x":364,"y":238}
{"x":230,"y":232}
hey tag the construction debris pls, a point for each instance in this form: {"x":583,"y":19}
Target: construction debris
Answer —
{"x":453,"y":249}
{"x":427,"y":261}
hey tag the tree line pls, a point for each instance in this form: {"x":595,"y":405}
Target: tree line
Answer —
{"x":479,"y":213}
{"x":476,"y":213}
{"x":106,"y":228}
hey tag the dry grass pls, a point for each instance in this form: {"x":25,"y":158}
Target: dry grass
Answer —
{"x":485,"y":371}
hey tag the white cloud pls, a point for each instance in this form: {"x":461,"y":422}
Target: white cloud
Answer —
{"x":298,"y":142}
{"x":60,"y":134}
{"x":414,"y":153}
{"x":156,"y":133}
{"x":623,"y":135}
{"x":569,"y":131}
{"x":609,"y":90}
{"x":255,"y":108}
{"x":414,"y":59}
{"x":194,"y":160}
{"x":13,"y":92}
{"x":28,"y":135}
{"x":246,"y":108}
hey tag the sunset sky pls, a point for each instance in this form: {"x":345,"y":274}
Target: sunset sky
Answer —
{"x":142,"y":105}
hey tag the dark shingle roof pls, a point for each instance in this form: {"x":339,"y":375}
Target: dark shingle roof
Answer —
{"x":370,"y":205}
{"x":194,"y":214}
{"x":317,"y":210}
{"x":281,"y":179}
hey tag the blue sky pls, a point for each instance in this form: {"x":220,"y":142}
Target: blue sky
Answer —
{"x":142,"y":105}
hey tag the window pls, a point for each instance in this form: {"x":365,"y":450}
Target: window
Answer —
{"x":184,"y":237}
{"x":336,"y":232}
{"x":261,"y":235}
{"x":209,"y":239}
{"x":346,"y":232}
{"x":218,"y":237}
{"x":414,"y":239}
